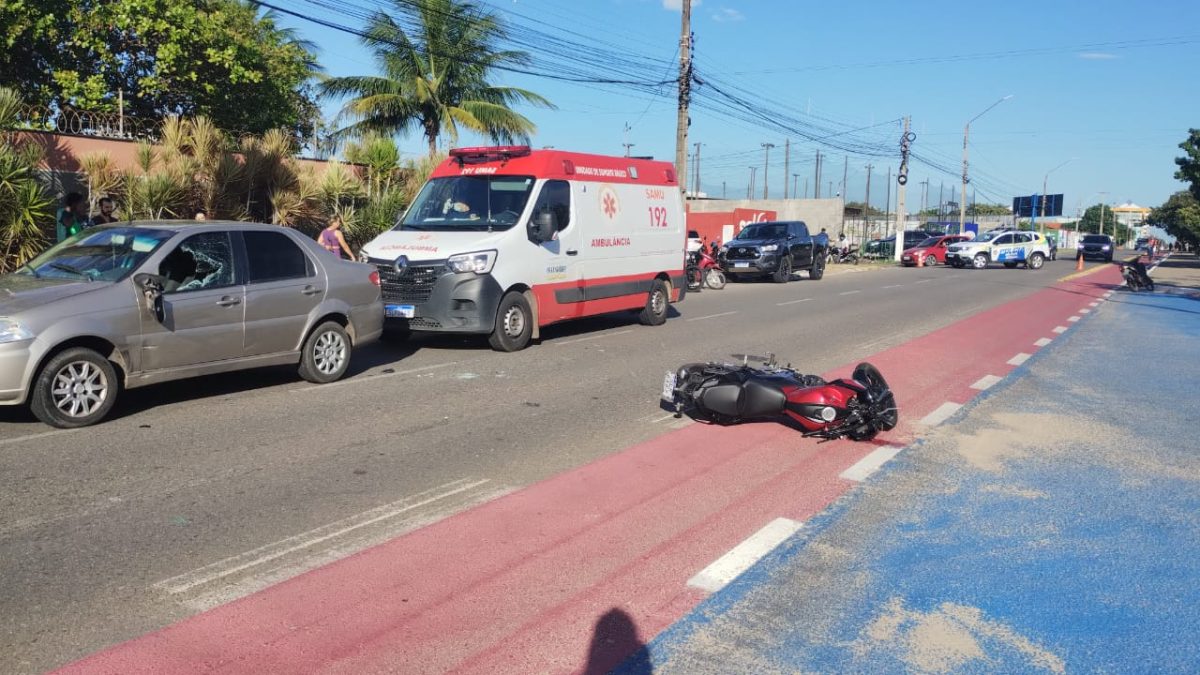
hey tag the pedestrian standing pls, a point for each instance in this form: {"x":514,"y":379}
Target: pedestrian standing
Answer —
{"x":332,"y":239}
{"x":72,"y":218}
{"x":106,"y":212}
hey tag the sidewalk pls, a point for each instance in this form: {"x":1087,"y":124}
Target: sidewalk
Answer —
{"x":1054,"y":525}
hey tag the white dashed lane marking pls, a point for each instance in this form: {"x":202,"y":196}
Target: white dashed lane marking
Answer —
{"x":868,"y":465}
{"x":1073,"y":319}
{"x":792,"y":302}
{"x":1060,"y":329}
{"x":727,"y":568}
{"x":1018,"y":359}
{"x":849,"y":292}
{"x":1042,"y":342}
{"x":1084,"y":310}
{"x":943,"y":413}
{"x":985,"y":382}
{"x":712,"y":316}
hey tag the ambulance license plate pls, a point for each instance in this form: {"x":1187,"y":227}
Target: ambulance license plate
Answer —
{"x":399,"y":311}
{"x":668,"y":391}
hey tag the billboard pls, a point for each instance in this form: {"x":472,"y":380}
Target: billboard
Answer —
{"x":1037,"y":205}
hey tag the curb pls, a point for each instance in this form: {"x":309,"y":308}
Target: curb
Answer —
{"x":1093,"y":270}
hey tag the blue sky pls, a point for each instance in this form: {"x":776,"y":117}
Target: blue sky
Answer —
{"x":1107,"y":87}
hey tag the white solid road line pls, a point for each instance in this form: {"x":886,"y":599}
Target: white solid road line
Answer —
{"x":943,"y":413}
{"x":849,"y":292}
{"x":1073,"y":319}
{"x":863,"y":468}
{"x":792,"y":302}
{"x":712,"y":316}
{"x":269,"y":552}
{"x":1018,"y":359}
{"x":1060,"y":329}
{"x":986,"y":382}
{"x":727,"y":568}
{"x":591,"y":337}
{"x":371,"y":378}
{"x":1042,"y":342}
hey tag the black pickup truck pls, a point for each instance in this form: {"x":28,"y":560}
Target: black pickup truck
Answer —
{"x":774,"y":249}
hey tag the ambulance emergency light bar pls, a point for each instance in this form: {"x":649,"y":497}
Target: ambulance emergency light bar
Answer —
{"x":489,"y":153}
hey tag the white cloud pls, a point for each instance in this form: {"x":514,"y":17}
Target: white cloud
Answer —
{"x":727,"y":14}
{"x":676,"y":5}
{"x":1097,"y":56}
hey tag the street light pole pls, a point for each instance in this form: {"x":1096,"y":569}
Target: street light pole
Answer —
{"x":962,"y":202}
{"x":1045,"y":180}
{"x":766,"y":163}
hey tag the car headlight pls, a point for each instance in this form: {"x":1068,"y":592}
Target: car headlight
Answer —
{"x":723,"y":250}
{"x":363,"y":257}
{"x":769,"y":247}
{"x":480,"y":262}
{"x":13,"y":331}
{"x":1105,"y":247}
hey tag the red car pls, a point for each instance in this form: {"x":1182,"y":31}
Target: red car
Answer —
{"x":932,"y":251}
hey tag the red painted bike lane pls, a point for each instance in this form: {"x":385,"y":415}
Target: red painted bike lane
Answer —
{"x":518,"y":584}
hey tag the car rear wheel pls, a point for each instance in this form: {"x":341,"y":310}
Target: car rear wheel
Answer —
{"x":76,"y":388}
{"x":1036,"y":261}
{"x":326,"y":354}
{"x":818,"y":269}
{"x":980,"y":261}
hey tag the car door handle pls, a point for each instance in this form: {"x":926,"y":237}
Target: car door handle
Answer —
{"x":310,"y":290}
{"x":572,"y":251}
{"x":229,"y":301}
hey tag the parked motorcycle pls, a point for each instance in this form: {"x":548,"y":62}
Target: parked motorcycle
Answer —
{"x":1136,"y":276}
{"x":703,"y":270}
{"x":724,"y":393}
{"x":844,"y":256}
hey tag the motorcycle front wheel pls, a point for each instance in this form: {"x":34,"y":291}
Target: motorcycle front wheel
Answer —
{"x":870,"y":376}
{"x":714,"y":279}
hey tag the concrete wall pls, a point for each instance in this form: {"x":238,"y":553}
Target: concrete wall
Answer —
{"x":817,"y":213}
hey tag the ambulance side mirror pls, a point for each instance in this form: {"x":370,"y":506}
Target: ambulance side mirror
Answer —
{"x":543,"y":226}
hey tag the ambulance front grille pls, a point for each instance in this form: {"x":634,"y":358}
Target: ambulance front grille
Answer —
{"x":410,"y":285}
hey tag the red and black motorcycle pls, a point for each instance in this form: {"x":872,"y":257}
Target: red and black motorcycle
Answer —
{"x":723,"y":393}
{"x":703,"y":270}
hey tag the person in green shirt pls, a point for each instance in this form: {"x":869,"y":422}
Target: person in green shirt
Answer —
{"x":73,"y":218}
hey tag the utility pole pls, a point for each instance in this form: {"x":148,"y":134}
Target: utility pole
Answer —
{"x":685,"y":94}
{"x":787,"y":164}
{"x":941,"y":204}
{"x":795,"y":182}
{"x":750,"y":188}
{"x":766,"y":163}
{"x":817,"y":178}
{"x":806,"y":188}
{"x":696,"y":158}
{"x":924,"y":194}
{"x":627,"y":147}
{"x":901,"y":191}
{"x":867,"y":207}
{"x":887,"y":205}
{"x":722,"y":189}
{"x":962,"y":200}
{"x":845,"y":174}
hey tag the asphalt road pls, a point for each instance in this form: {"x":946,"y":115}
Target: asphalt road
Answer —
{"x":203,"y":491}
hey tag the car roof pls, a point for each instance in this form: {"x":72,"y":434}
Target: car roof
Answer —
{"x":194,"y":225}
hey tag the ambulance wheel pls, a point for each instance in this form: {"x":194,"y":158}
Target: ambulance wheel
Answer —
{"x":659,"y":299}
{"x":514,"y":324}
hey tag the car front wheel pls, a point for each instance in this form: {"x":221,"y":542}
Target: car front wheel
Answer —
{"x":76,"y":388}
{"x":980,"y":261}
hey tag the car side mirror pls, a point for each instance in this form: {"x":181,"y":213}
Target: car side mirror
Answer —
{"x":152,"y":287}
{"x":543,"y":226}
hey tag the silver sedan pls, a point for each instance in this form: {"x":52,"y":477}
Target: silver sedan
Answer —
{"x":132,"y":304}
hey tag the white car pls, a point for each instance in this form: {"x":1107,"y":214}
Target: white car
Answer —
{"x":694,"y":242}
{"x":1010,"y":248}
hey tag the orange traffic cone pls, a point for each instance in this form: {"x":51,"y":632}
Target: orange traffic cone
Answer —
{"x":1079,"y":261}
{"x":920,"y":260}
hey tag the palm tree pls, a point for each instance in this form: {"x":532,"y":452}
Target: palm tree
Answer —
{"x":435,"y":76}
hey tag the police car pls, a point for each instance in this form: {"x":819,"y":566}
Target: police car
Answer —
{"x":1011,"y":248}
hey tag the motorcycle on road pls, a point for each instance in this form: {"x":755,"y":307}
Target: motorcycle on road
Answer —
{"x":704,"y":270}
{"x":723,"y":393}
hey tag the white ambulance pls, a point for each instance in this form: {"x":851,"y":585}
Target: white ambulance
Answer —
{"x":505,"y":240}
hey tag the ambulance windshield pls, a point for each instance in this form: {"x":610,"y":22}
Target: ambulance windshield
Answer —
{"x":469,"y":203}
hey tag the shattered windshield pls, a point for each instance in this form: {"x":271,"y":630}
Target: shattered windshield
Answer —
{"x":470,"y":203}
{"x":97,"y":254}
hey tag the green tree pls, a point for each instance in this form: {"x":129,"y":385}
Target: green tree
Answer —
{"x":435,"y":77}
{"x":25,"y":208}
{"x":1180,"y":216}
{"x":858,"y":206}
{"x":1091,"y":222}
{"x":219,"y":58}
{"x":1189,"y":164}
